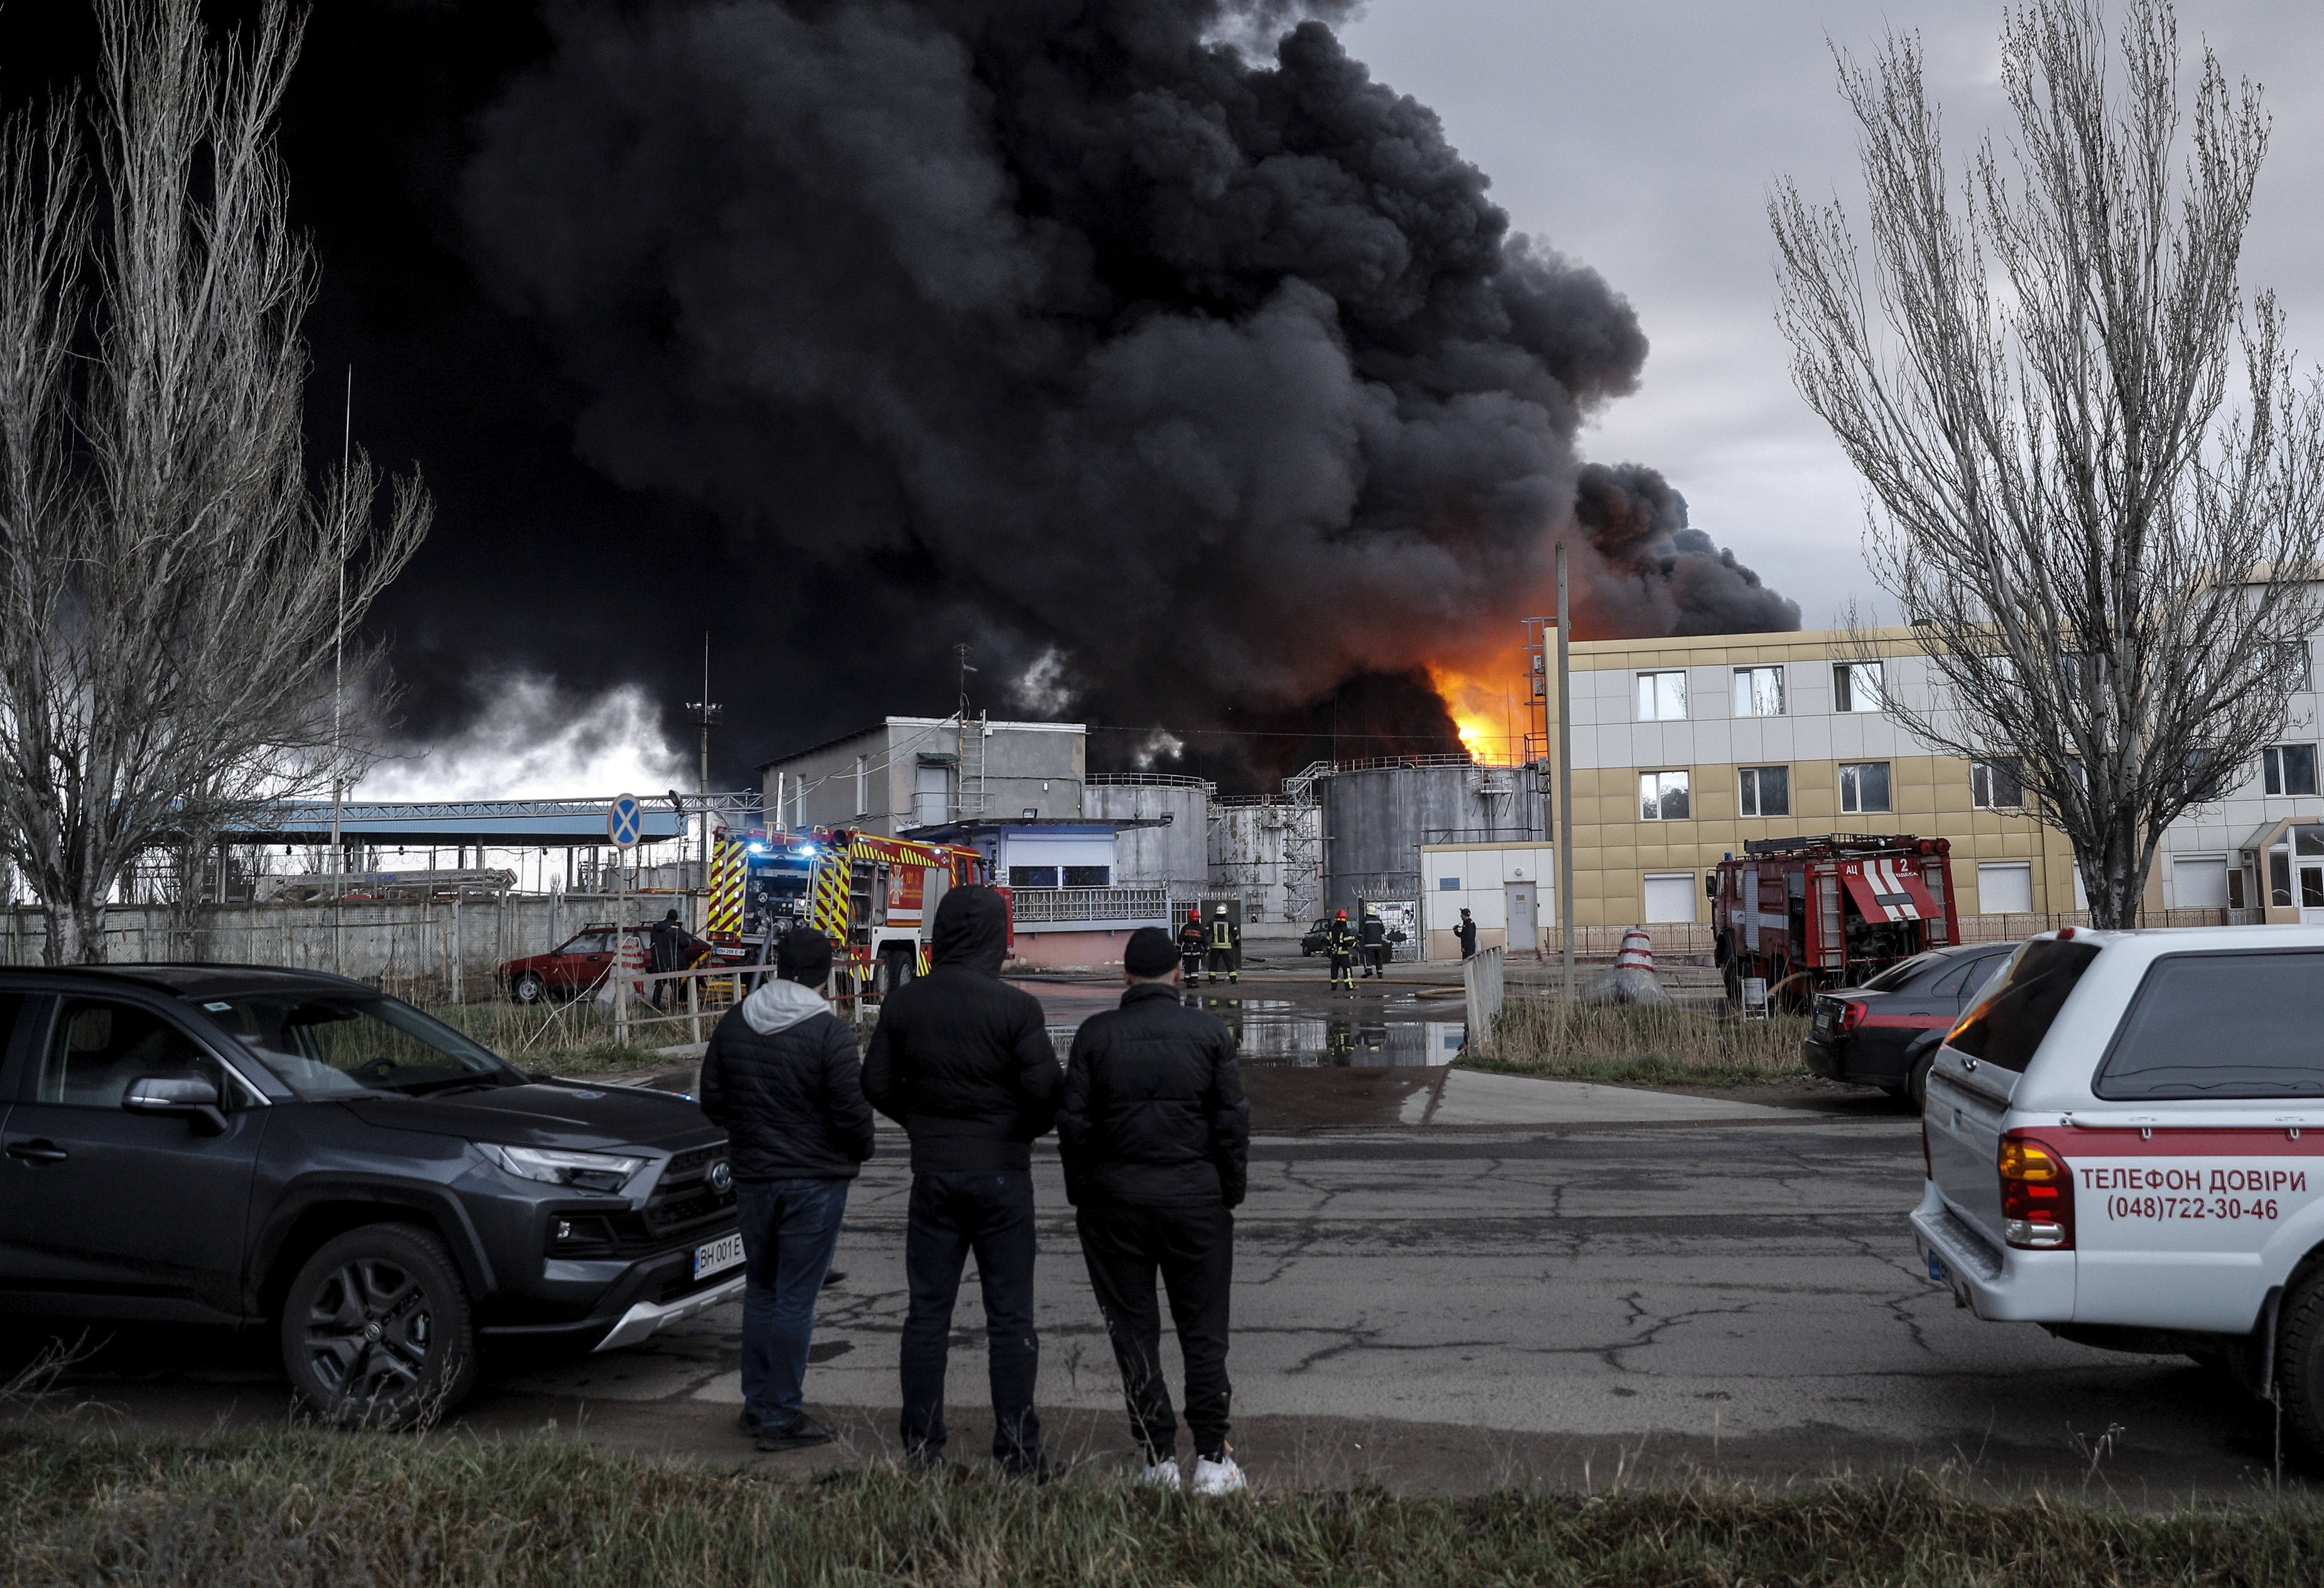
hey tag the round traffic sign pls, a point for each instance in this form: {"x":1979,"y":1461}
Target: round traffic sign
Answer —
{"x":625,"y":820}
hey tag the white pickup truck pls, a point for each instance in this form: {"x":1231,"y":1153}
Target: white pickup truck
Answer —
{"x":2125,"y":1140}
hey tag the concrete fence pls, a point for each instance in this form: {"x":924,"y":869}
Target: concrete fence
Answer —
{"x":435,"y":951}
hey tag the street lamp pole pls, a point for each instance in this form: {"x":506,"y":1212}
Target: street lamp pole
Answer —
{"x":1565,"y":783}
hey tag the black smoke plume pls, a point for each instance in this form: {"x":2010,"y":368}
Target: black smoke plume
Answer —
{"x":1185,"y":382}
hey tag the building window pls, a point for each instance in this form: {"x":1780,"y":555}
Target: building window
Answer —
{"x":1088,"y":876}
{"x":2291,"y":665}
{"x":1662,"y":697}
{"x":1662,"y":796}
{"x":1863,"y":787}
{"x":1765,"y":790}
{"x":1032,"y":877}
{"x":2288,"y":769}
{"x":862,"y":785}
{"x":1758,"y":691}
{"x":1857,"y":686}
{"x":1993,"y":785}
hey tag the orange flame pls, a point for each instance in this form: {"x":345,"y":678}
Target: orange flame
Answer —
{"x":1486,"y":709}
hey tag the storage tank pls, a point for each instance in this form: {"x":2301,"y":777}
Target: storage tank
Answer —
{"x":1376,"y":817}
{"x":1175,"y":856}
{"x":1267,"y":852}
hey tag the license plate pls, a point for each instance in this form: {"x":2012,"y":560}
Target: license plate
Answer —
{"x":717,"y":1257}
{"x":1823,"y":1025}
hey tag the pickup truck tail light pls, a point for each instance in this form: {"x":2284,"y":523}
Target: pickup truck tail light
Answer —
{"x":2037,"y":1196}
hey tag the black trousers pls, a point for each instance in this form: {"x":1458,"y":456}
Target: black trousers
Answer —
{"x":1222,"y":959}
{"x":1342,"y":969}
{"x":989,"y":1213}
{"x":1193,"y":1251}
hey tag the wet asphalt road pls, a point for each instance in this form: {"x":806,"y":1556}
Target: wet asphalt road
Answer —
{"x":1447,"y":1307}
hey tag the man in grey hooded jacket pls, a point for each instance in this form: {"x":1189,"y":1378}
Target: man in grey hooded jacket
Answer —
{"x":782,"y":1076}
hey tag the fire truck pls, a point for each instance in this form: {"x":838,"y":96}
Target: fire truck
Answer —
{"x":1808,"y":914}
{"x":875,"y":898}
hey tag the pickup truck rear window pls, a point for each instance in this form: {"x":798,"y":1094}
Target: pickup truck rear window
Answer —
{"x":2010,"y":1022}
{"x":2222,"y":1025}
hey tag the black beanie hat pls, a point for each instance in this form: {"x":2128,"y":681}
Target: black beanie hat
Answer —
{"x":804,"y":955}
{"x":1150,"y":953}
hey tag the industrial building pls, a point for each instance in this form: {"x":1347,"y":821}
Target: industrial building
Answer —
{"x":918,"y":771}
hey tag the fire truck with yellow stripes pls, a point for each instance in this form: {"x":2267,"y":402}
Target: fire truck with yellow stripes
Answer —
{"x":1807,"y":914}
{"x":875,"y":898}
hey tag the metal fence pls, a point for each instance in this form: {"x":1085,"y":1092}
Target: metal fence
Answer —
{"x":1052,"y":907}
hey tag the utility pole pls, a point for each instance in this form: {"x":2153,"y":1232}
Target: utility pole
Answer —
{"x":339,"y":649}
{"x":1565,"y":783}
{"x":706,"y":717}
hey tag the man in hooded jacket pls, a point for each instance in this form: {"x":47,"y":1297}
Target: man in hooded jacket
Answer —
{"x":781,"y":1074}
{"x":962,"y":1060}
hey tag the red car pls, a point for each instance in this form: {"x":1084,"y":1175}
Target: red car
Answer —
{"x":573,"y":967}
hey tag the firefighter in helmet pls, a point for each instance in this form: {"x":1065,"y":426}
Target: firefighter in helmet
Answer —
{"x":1373,"y":938}
{"x":1191,"y":944}
{"x":1226,"y":938}
{"x":1340,"y":943}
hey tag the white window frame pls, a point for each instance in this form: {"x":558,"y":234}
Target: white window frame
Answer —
{"x":2273,"y":782}
{"x":1661,"y":689}
{"x":1750,"y":799}
{"x":862,"y":785}
{"x":1750,"y":695}
{"x":1853,"y":787}
{"x":1657,"y":780}
{"x":1980,"y":784}
{"x":1849,"y":682}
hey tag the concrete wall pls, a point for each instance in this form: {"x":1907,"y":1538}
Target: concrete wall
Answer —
{"x":1480,"y":874}
{"x":1267,"y":856}
{"x":1176,"y":857}
{"x":418,"y":951}
{"x":1375,"y":822}
{"x":1032,"y":766}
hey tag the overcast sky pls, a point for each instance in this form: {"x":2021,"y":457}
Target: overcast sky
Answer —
{"x":1643,"y":138}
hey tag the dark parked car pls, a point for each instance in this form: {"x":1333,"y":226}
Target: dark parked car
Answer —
{"x":241,"y":1146}
{"x":1885,"y":1032}
{"x":1311,"y":943}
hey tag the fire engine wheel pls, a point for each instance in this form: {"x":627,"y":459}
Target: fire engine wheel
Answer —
{"x":2300,"y":1362}
{"x":1733,"y":978}
{"x":895,"y":970}
{"x":527,"y":988}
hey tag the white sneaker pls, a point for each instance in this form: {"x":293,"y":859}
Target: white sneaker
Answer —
{"x":1219,"y":1477}
{"x":1163,"y":1474}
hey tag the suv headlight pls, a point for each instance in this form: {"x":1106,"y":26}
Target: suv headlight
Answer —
{"x":586,"y":1171}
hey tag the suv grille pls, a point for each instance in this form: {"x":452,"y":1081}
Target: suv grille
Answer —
{"x":684,"y":1197}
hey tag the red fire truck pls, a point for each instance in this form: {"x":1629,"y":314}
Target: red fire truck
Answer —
{"x":1807,"y":914}
{"x":875,"y":898}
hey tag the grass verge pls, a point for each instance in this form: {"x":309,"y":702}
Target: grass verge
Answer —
{"x":575,"y":1038}
{"x":1644,"y":1044}
{"x":288,"y":1508}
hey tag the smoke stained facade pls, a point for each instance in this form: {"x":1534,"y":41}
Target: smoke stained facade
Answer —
{"x":1184,"y":372}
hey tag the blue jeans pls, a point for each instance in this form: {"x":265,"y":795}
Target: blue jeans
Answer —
{"x":952,"y":1214}
{"x":789,"y":1230}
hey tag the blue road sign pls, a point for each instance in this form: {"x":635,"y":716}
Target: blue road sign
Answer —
{"x":625,"y":820}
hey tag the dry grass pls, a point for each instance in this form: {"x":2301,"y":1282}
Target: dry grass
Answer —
{"x":1643,"y":1043}
{"x":287,"y":1507}
{"x":577,"y":1037}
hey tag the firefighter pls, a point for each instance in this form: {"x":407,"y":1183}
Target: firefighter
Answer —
{"x":1340,"y":943}
{"x":1373,"y":936}
{"x":1225,"y":938}
{"x":1190,"y":947}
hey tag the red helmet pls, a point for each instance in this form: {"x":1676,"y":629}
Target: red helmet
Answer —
{"x":1344,"y":914}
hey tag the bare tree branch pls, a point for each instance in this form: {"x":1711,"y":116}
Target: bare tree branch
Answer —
{"x":172,"y":584}
{"x":2097,"y":487}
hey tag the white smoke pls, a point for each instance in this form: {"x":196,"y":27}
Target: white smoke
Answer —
{"x":536,"y":740}
{"x":1161,"y":745}
{"x":1042,"y":690}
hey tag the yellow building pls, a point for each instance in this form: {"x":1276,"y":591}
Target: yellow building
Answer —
{"x":1685,"y":749}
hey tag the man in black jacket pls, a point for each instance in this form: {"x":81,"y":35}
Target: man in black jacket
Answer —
{"x":781,"y":1074}
{"x":1156,"y":1137}
{"x":962,"y":1060}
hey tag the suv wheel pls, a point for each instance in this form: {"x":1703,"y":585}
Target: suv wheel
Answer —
{"x":2299,"y":1362}
{"x":376,"y":1330}
{"x":1916,"y":1083}
{"x":528,"y":988}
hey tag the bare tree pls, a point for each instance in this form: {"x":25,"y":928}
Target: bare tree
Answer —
{"x":2093,"y":481}
{"x":170,"y":602}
